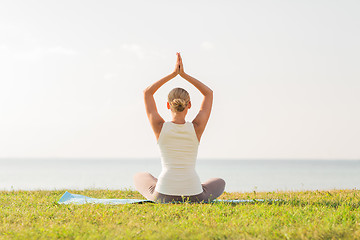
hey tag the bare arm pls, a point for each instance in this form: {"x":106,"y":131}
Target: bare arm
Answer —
{"x":156,"y":121}
{"x":202,"y":117}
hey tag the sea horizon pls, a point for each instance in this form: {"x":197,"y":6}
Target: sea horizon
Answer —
{"x":199,"y":159}
{"x":241,"y":175}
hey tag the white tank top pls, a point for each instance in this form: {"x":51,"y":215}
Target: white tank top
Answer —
{"x":178,"y":145}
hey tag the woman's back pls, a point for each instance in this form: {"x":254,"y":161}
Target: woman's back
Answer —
{"x":178,"y":145}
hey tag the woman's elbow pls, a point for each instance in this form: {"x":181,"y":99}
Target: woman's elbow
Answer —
{"x":146,"y":91}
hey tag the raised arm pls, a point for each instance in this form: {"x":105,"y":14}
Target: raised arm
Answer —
{"x":202,"y":117}
{"x":156,"y":121}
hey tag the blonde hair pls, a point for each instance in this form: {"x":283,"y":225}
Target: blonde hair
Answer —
{"x":178,"y":99}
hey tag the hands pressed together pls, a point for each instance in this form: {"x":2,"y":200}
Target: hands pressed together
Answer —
{"x":179,"y":68}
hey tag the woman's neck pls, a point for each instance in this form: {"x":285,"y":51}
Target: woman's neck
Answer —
{"x":178,"y":118}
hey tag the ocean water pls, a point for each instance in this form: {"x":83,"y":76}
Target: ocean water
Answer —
{"x":240,"y":175}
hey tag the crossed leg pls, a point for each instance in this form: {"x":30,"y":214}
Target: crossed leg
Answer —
{"x":145,"y":183}
{"x":213,"y":188}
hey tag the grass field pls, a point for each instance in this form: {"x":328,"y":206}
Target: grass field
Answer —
{"x":301,"y":215}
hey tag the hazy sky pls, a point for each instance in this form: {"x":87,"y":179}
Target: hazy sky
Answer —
{"x":285,"y":76}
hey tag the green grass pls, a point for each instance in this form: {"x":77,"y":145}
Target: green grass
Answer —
{"x":301,"y":215}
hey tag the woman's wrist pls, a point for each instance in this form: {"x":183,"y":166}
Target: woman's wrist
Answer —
{"x":182,"y":74}
{"x":174,"y":74}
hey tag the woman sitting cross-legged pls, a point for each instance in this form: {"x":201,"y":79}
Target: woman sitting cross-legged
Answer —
{"x":178,"y":141}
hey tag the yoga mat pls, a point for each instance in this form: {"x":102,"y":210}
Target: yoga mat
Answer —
{"x":69,"y":198}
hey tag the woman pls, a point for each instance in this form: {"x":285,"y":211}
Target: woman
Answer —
{"x":178,"y":141}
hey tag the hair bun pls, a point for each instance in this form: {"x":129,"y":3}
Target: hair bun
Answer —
{"x":178,"y":99}
{"x":178,"y":104}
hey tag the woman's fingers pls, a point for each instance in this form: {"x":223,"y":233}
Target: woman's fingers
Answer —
{"x":177,"y":66}
{"x":181,"y":67}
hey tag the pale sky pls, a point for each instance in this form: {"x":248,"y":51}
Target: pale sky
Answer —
{"x":285,"y":76}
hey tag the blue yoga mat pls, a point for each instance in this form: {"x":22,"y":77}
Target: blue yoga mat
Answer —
{"x":69,"y":198}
